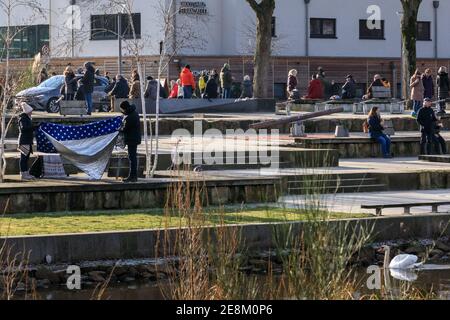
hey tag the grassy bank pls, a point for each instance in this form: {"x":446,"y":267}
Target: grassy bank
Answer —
{"x":81,"y":222}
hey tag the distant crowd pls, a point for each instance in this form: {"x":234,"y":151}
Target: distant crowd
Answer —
{"x":79,"y":85}
{"x":422,"y":86}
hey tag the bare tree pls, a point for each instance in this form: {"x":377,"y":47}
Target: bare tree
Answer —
{"x":263,"y":52}
{"x":175,"y":36}
{"x":11,"y":9}
{"x":409,"y":39}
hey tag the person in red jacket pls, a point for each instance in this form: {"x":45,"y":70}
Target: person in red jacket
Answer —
{"x":187,"y":82}
{"x":315,"y":89}
{"x":174,"y":91}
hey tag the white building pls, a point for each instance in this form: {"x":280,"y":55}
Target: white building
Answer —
{"x":307,"y":33}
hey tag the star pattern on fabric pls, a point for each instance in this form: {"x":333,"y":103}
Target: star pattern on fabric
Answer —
{"x":70,"y":132}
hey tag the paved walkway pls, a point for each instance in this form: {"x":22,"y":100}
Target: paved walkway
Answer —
{"x":351,"y":202}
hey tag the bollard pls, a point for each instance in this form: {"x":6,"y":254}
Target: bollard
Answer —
{"x":341,"y":132}
{"x":298,"y":130}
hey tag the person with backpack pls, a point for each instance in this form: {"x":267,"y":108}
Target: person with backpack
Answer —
{"x":375,"y":128}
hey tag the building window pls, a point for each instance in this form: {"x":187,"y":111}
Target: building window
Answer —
{"x":424,"y":31}
{"x":371,"y":33}
{"x":104,"y":27}
{"x":28,"y":40}
{"x":323,"y":28}
{"x":274,"y":27}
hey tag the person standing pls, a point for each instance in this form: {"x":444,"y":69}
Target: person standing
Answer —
{"x":87,"y":82}
{"x":428,"y":123}
{"x":376,"y":132}
{"x":135,"y":86}
{"x":292,"y":82}
{"x":226,"y":81}
{"x":131,"y":130}
{"x":428,"y":84}
{"x":202,"y":80}
{"x":120,"y":88}
{"x":187,"y":82}
{"x":417,"y":90}
{"x":443,"y":88}
{"x":70,"y":84}
{"x":26,"y":137}
{"x":211,"y":91}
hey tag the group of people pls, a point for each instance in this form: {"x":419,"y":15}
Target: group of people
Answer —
{"x":320,"y":88}
{"x":209,"y":85}
{"x":131,"y":130}
{"x":422,"y":87}
{"x":80,"y":87}
{"x":431,"y":141}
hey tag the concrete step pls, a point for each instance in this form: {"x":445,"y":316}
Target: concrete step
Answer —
{"x":330,"y":182}
{"x":338,"y":189}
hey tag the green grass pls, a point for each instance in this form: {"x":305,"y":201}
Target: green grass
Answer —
{"x":81,"y":222}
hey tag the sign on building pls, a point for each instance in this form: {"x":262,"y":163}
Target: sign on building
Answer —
{"x":193,"y":7}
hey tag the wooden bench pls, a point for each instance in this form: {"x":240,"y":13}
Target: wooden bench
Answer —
{"x":407,"y":206}
{"x":72,"y":108}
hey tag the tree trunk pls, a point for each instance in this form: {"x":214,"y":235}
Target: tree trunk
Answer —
{"x":409,"y":39}
{"x":263,"y":51}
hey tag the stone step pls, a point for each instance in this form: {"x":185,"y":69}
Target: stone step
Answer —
{"x":340,"y":189}
{"x":330,"y":182}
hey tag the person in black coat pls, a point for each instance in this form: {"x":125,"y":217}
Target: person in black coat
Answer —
{"x":349,"y":88}
{"x":26,"y":137}
{"x":427,"y":120}
{"x":211,"y":88}
{"x":120,"y":89}
{"x":88,"y":81}
{"x":131,"y":130}
{"x":443,"y":85}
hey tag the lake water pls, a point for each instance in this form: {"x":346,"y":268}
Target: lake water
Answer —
{"x":434,"y":280}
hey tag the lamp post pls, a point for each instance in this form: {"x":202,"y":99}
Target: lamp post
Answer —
{"x":307,"y":27}
{"x":400,"y":15}
{"x":436,"y":6}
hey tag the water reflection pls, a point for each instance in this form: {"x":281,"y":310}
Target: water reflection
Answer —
{"x":431,"y":278}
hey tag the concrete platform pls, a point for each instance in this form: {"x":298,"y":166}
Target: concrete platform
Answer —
{"x":359,"y":145}
{"x":351,"y":203}
{"x":435,"y":158}
{"x":223,"y":122}
{"x":80,"y":194}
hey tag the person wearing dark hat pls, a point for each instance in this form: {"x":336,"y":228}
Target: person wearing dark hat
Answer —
{"x":131,"y":130}
{"x":427,"y":120}
{"x":349,"y":88}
